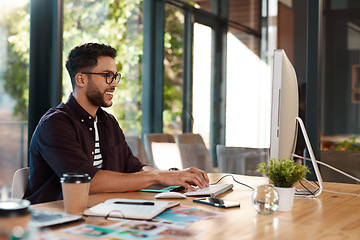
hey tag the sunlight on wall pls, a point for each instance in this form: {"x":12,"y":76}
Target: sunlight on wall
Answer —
{"x":248,"y":103}
{"x":202,"y":81}
{"x":248,"y":97}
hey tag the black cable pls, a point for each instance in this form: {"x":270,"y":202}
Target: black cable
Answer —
{"x":309,"y":191}
{"x":316,"y":184}
{"x":229,"y":175}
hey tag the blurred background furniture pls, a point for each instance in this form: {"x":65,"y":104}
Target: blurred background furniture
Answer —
{"x":346,"y":161}
{"x":155,"y":137}
{"x":19,"y":183}
{"x":166,"y":155}
{"x":194,"y":152}
{"x":137,"y":147}
{"x":196,"y":155}
{"x":190,"y":138}
{"x":240,"y":160}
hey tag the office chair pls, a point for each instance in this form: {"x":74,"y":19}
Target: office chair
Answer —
{"x":137,"y":147}
{"x":346,"y":161}
{"x":19,"y":183}
{"x":194,"y":152}
{"x":196,"y":155}
{"x":240,"y":160}
{"x":190,"y":138}
{"x":155,"y":137}
{"x":166,"y":155}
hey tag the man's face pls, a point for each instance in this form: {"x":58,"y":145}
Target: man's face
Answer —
{"x":99,"y":92}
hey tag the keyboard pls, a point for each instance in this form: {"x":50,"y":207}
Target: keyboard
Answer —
{"x":212,"y":190}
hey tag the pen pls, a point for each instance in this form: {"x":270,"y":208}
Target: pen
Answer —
{"x":136,"y":203}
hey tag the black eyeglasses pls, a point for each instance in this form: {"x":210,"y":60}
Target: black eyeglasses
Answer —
{"x":109,"y":76}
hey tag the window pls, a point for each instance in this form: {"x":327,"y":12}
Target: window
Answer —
{"x":14,"y":60}
{"x":202,"y":81}
{"x":117,"y":23}
{"x":248,"y":87}
{"x":248,"y":95}
{"x":173,"y":51}
{"x":341,"y":108}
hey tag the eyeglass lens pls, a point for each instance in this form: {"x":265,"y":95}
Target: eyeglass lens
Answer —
{"x":110,"y":77}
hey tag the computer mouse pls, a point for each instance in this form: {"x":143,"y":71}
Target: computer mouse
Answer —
{"x":170,"y":195}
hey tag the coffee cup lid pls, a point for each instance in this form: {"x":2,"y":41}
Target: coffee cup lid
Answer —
{"x":75,"y":178}
{"x":14,"y":207}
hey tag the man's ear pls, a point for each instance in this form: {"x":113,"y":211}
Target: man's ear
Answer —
{"x":80,"y":79}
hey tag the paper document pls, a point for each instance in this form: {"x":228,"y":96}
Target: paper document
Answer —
{"x":129,"y":208}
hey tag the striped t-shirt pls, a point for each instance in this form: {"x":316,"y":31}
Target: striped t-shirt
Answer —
{"x":97,"y":154}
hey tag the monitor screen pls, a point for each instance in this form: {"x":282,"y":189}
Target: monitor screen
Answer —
{"x":284,"y":108}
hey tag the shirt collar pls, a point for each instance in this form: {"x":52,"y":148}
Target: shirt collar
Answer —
{"x":82,"y":114}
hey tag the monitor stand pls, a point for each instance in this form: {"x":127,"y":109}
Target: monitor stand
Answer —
{"x":317,"y":192}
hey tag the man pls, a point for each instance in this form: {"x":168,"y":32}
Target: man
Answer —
{"x":79,"y":136}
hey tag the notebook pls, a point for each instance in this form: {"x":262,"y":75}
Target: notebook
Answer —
{"x":212,"y":190}
{"x":129,"y":208}
{"x":43,"y":218}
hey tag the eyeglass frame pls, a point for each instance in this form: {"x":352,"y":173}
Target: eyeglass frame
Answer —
{"x":107,"y":74}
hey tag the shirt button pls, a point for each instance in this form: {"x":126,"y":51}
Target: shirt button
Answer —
{"x":90,"y":117}
{"x":82,"y":120}
{"x":90,"y":129}
{"x":92,"y":153}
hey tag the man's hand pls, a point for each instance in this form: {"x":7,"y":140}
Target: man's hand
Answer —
{"x":187,"y":178}
{"x":110,"y":181}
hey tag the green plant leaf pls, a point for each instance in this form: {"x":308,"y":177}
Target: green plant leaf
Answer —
{"x":283,"y":172}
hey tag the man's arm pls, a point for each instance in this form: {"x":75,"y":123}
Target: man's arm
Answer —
{"x":110,"y":181}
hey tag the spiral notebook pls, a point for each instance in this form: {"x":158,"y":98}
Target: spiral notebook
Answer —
{"x":129,"y":208}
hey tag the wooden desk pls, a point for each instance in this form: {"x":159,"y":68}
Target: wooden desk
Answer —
{"x":330,"y":216}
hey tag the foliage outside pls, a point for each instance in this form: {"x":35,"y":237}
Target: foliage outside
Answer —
{"x":114,"y":22}
{"x":15,"y":23}
{"x":283,"y":172}
{"x":173,"y":50}
{"x":349,"y":144}
{"x":117,"y":23}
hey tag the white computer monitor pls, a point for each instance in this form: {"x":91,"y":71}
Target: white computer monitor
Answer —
{"x":284,"y":114}
{"x":284,"y":108}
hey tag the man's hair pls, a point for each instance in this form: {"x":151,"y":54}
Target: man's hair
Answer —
{"x":85,"y":57}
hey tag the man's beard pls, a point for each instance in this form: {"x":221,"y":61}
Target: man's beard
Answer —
{"x":95,"y":96}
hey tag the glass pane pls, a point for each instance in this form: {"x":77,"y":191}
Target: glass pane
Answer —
{"x":247,"y":92}
{"x":200,"y":4}
{"x":202,"y":81}
{"x":173,"y":50}
{"x":119,"y":25}
{"x":245,"y":12}
{"x":341,"y":101}
{"x":14,"y":60}
{"x":341,"y":4}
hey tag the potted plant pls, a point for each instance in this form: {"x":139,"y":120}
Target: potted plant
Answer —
{"x":283,"y":173}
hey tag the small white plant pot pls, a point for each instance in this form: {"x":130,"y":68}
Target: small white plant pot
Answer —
{"x":286,"y":198}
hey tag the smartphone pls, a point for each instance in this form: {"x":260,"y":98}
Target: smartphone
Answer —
{"x":216,"y":202}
